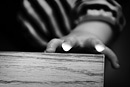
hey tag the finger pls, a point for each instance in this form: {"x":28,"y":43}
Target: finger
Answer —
{"x":112,"y":57}
{"x":101,"y":48}
{"x":53,"y":44}
{"x":68,"y":44}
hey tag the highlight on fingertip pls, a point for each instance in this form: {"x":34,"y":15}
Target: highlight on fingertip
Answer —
{"x":99,"y":48}
{"x":66,"y":47}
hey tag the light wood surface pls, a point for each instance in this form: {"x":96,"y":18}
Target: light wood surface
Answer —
{"x":26,"y":69}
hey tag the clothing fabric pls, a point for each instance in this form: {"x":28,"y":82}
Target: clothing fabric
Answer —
{"x":48,"y":19}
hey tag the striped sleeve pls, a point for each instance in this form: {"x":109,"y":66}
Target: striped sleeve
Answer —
{"x":108,"y":11}
{"x":45,"y":19}
{"x":48,"y":19}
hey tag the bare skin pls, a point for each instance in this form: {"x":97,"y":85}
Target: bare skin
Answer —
{"x":86,"y":36}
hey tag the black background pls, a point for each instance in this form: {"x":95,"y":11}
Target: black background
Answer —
{"x":11,"y":39}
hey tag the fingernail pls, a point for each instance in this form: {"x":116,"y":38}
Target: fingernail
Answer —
{"x":66,"y":46}
{"x":99,"y":48}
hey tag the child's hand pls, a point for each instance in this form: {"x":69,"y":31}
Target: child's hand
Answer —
{"x":86,"y":41}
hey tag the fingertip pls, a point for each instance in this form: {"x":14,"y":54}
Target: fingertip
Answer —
{"x":115,"y":62}
{"x":117,"y":65}
{"x":99,"y":47}
{"x":49,"y":50}
{"x":53,"y":45}
{"x":66,"y":46}
{"x":112,"y":57}
{"x":45,"y":51}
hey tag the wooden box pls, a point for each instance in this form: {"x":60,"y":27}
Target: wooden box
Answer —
{"x":26,"y":69}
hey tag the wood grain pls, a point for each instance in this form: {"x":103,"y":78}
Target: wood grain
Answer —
{"x":26,"y":69}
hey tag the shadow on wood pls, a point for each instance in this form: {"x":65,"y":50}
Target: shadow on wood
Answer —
{"x":26,"y":69}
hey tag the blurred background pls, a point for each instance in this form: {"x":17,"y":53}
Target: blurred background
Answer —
{"x":11,"y":39}
{"x":121,"y":77}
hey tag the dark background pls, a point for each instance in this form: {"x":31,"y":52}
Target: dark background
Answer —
{"x":11,"y":39}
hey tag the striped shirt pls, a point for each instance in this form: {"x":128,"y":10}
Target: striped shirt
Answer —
{"x":48,"y":19}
